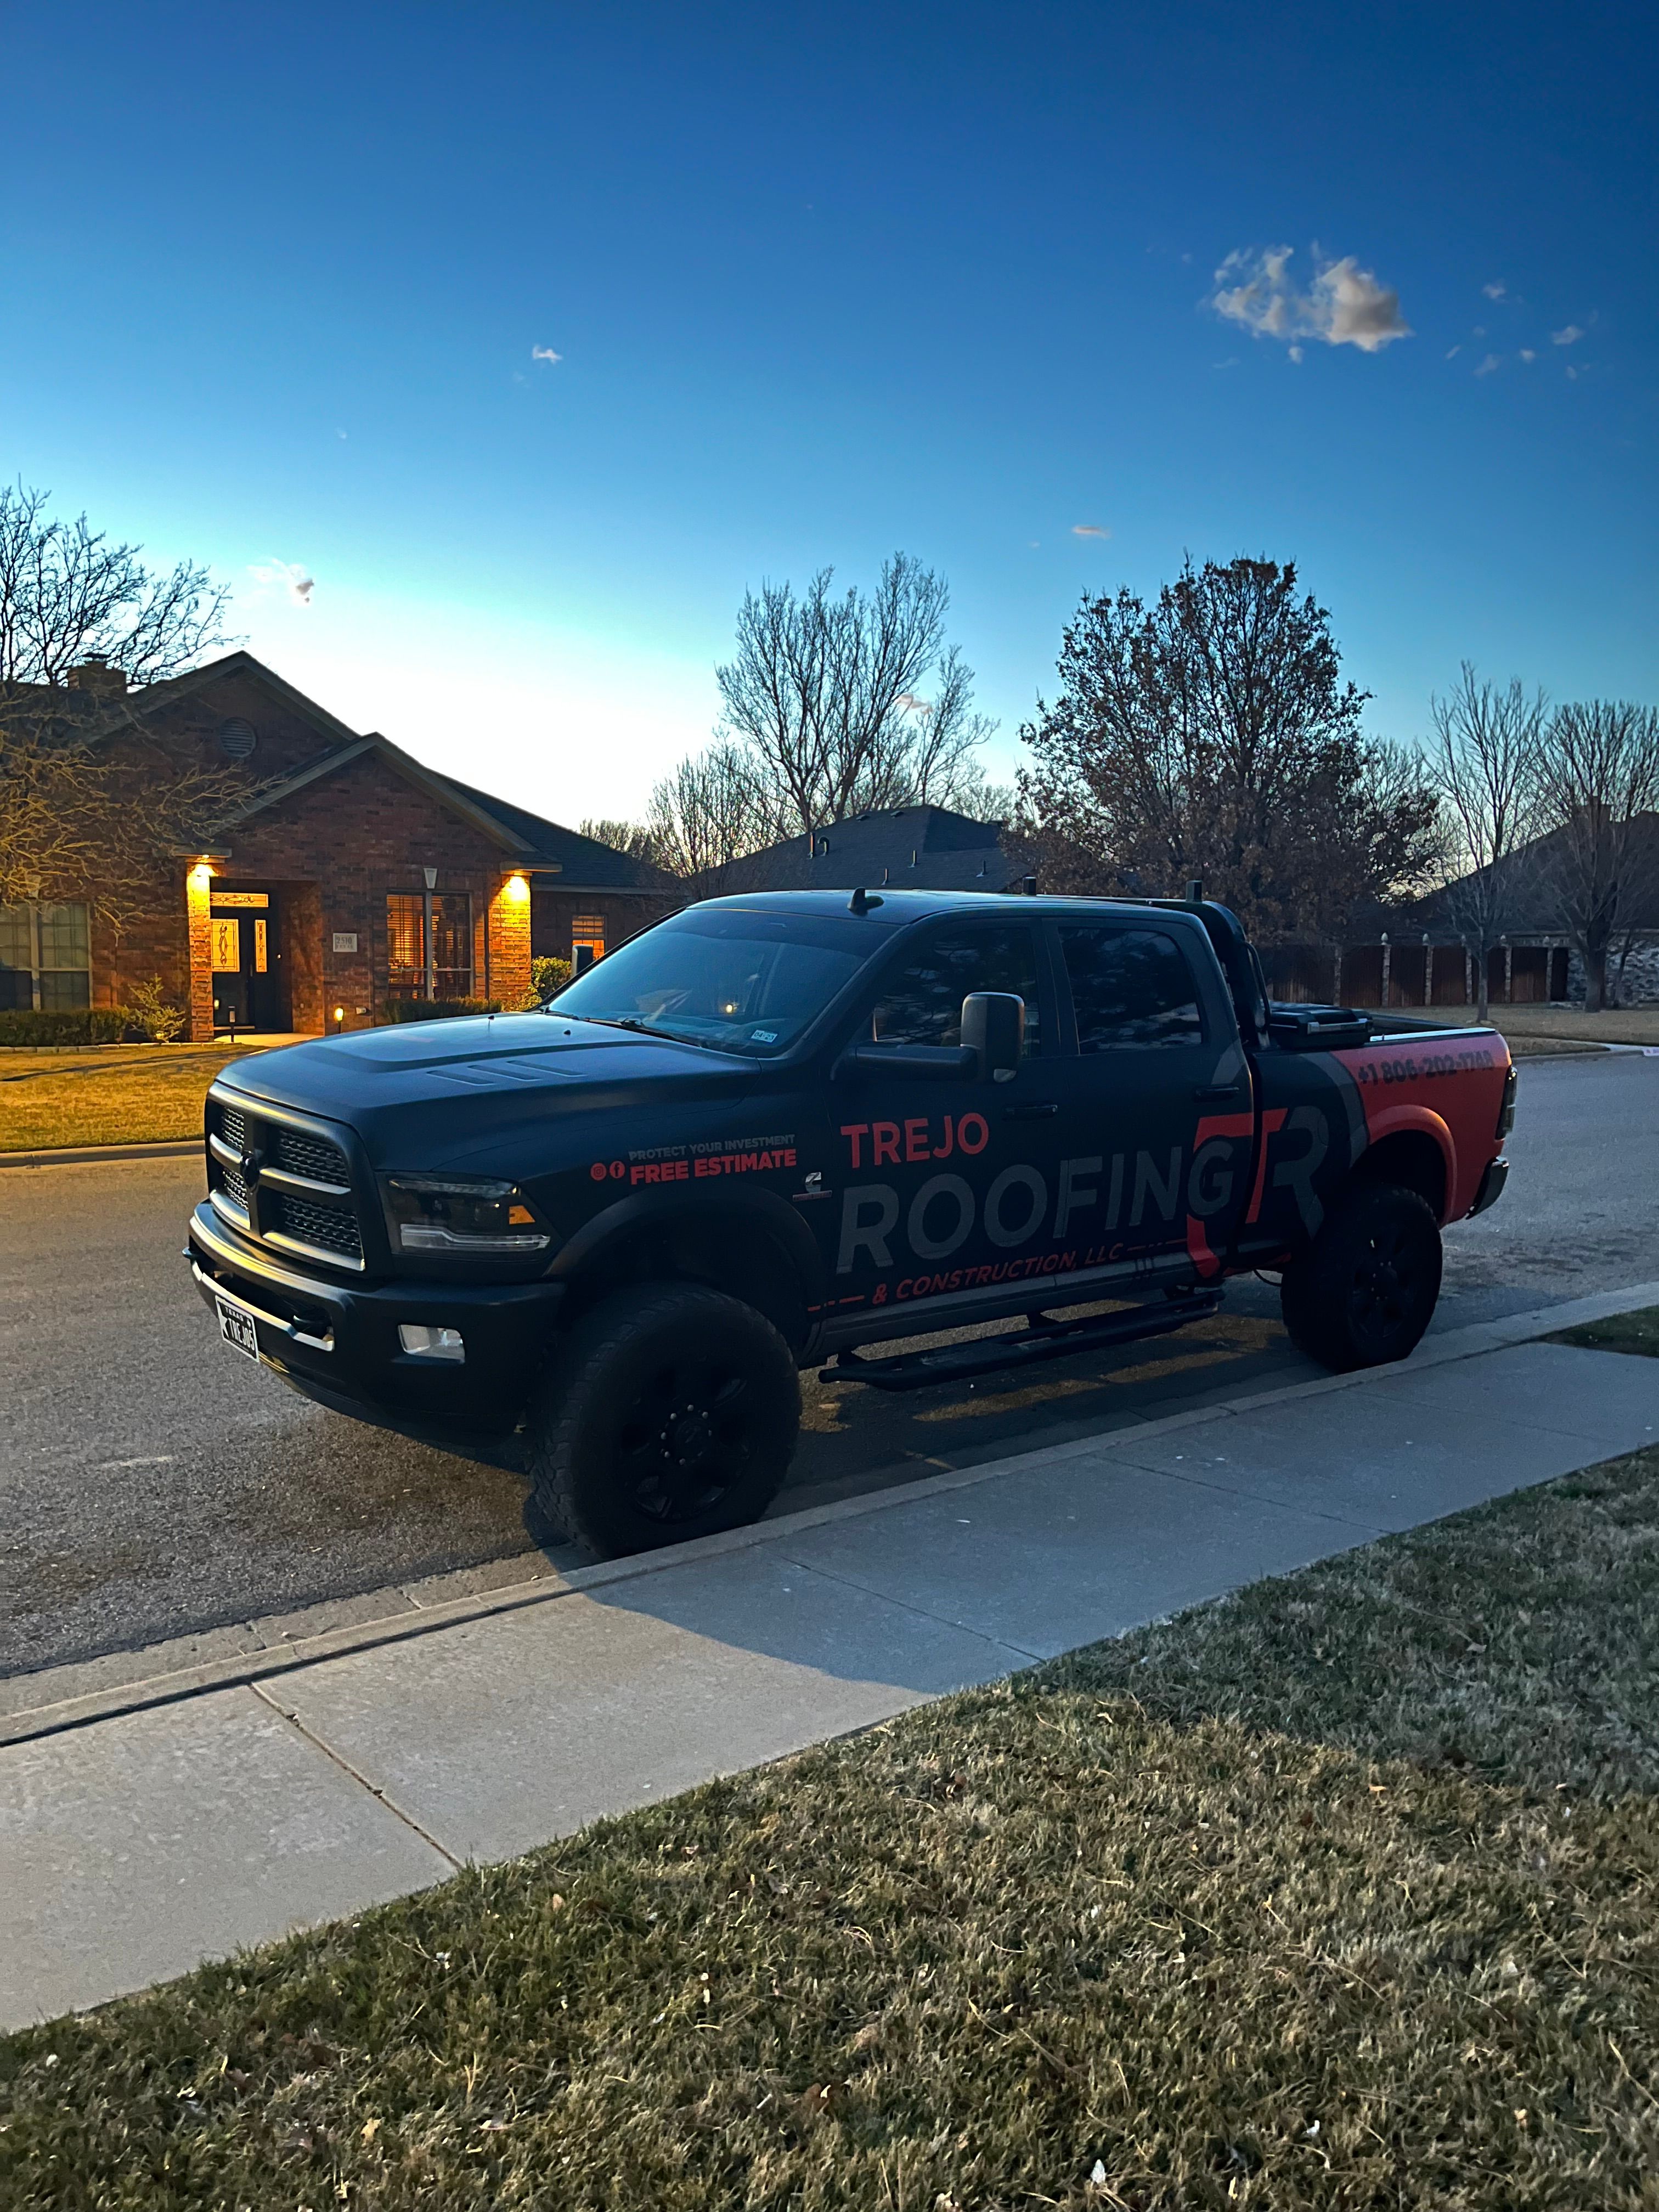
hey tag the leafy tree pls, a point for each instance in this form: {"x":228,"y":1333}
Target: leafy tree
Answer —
{"x":1211,"y":735}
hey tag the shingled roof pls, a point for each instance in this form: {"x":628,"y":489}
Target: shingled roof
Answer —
{"x":921,"y":848}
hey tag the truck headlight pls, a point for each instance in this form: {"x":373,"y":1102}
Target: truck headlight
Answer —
{"x":461,"y":1213}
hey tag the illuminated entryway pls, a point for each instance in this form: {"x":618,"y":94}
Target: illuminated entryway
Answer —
{"x":249,"y":984}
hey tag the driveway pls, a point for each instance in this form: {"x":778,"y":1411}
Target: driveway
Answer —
{"x":153,"y":1485}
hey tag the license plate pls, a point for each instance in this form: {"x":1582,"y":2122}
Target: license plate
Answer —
{"x":236,"y":1327}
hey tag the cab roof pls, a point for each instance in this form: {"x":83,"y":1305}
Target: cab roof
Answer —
{"x":888,"y":909}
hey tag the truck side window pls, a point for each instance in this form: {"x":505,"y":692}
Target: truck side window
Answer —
{"x":1130,"y":987}
{"x":921,"y":1000}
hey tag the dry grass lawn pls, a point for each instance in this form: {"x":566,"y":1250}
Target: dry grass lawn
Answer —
{"x":118,"y":1094}
{"x":1336,"y":1893}
{"x":1558,"y":1026}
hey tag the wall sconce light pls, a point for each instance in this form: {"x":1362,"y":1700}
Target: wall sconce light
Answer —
{"x":431,"y":875}
{"x":517,"y":889}
{"x":201,"y":875}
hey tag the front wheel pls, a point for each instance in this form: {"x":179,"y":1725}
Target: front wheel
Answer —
{"x":1365,"y":1291}
{"x":671,"y":1412}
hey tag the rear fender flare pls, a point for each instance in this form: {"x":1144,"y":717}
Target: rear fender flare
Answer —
{"x":1405,"y":1118}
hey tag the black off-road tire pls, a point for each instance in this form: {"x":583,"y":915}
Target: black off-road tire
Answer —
{"x":1365,"y":1291}
{"x":670,"y":1412}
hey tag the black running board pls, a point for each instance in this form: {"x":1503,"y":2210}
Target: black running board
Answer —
{"x":1046,"y":1340}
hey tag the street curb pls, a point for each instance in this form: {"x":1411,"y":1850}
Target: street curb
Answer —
{"x":73,"y":1155}
{"x":171,"y":1686}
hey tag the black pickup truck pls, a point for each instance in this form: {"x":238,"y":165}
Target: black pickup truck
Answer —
{"x":772,"y":1130}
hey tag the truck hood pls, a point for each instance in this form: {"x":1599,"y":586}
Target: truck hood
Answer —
{"x":446,"y":1093}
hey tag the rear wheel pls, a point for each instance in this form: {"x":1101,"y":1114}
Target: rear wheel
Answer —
{"x":1365,"y":1291}
{"x":670,"y":1413}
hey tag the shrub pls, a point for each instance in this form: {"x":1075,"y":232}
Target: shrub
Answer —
{"x":157,"y":1017}
{"x":547,"y":975}
{"x":23,"y":1025}
{"x":438,"y":1010}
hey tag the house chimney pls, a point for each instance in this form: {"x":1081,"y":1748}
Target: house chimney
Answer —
{"x":97,"y":678}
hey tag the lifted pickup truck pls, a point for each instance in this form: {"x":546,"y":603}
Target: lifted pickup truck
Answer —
{"x":772,"y":1130}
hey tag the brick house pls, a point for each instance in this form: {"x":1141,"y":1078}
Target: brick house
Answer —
{"x":353,"y":876}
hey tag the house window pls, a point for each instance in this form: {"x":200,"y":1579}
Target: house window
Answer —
{"x":452,"y":943}
{"x":586,"y":940}
{"x":46,"y":957}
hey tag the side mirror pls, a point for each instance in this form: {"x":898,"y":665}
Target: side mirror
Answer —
{"x":993,"y":1030}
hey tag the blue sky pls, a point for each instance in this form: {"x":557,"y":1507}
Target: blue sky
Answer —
{"x":824,"y":280}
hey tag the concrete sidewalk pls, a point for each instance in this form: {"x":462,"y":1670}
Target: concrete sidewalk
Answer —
{"x":157,"y":1823}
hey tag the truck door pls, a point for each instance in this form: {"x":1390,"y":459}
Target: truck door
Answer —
{"x":1157,"y":1121}
{"x":943,"y":1185}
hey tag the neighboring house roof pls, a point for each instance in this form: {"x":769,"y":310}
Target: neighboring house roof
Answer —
{"x":1536,"y":910}
{"x":527,"y":840}
{"x":930,"y":848}
{"x":583,"y":862}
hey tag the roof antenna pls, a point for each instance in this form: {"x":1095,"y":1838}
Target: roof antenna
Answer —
{"x":1196,"y":891}
{"x":861,"y":902}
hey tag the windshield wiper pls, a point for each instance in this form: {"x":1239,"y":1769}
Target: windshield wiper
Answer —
{"x":626,"y":1022}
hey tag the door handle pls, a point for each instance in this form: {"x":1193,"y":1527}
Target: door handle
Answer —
{"x":1033,"y":1113}
{"x":1213,"y":1094}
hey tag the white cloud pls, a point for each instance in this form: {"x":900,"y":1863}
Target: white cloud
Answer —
{"x":1454,"y":353}
{"x":1089,"y":530}
{"x":545,"y":353}
{"x":1487,"y":365}
{"x":1345,"y":304}
{"x":292,"y":576}
{"x":1495,"y":291}
{"x":1527,"y":354}
{"x":1570,"y":336}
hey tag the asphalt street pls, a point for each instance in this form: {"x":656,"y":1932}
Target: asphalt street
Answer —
{"x":153,"y":1485}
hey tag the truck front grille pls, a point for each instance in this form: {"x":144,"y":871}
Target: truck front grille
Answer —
{"x":323,"y":1220}
{"x":302,"y":1153}
{"x":327,"y":1225}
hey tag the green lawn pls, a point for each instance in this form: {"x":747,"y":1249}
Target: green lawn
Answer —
{"x":1633,"y":1332}
{"x":1338,"y":1893}
{"x":118,"y":1093}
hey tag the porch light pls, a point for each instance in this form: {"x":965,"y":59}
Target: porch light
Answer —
{"x":517,"y":889}
{"x":202,"y":875}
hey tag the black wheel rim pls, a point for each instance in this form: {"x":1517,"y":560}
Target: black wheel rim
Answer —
{"x":1390,"y":1287}
{"x":686,"y":1439}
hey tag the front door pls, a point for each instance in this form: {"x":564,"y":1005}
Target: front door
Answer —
{"x":247,"y":979}
{"x":948,"y":1186}
{"x":1157,"y":1124}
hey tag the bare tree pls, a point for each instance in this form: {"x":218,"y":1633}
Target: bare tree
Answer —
{"x":68,"y":595}
{"x":1484,"y":759}
{"x":637,"y":839}
{"x":825,"y":696}
{"x":83,"y":818}
{"x":712,"y":809}
{"x":81,"y":618}
{"x":1600,"y":783}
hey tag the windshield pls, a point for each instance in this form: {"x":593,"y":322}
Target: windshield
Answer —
{"x":739,"y":981}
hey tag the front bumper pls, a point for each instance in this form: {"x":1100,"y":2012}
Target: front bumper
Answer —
{"x":340,"y":1343}
{"x":1492,"y":1186}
